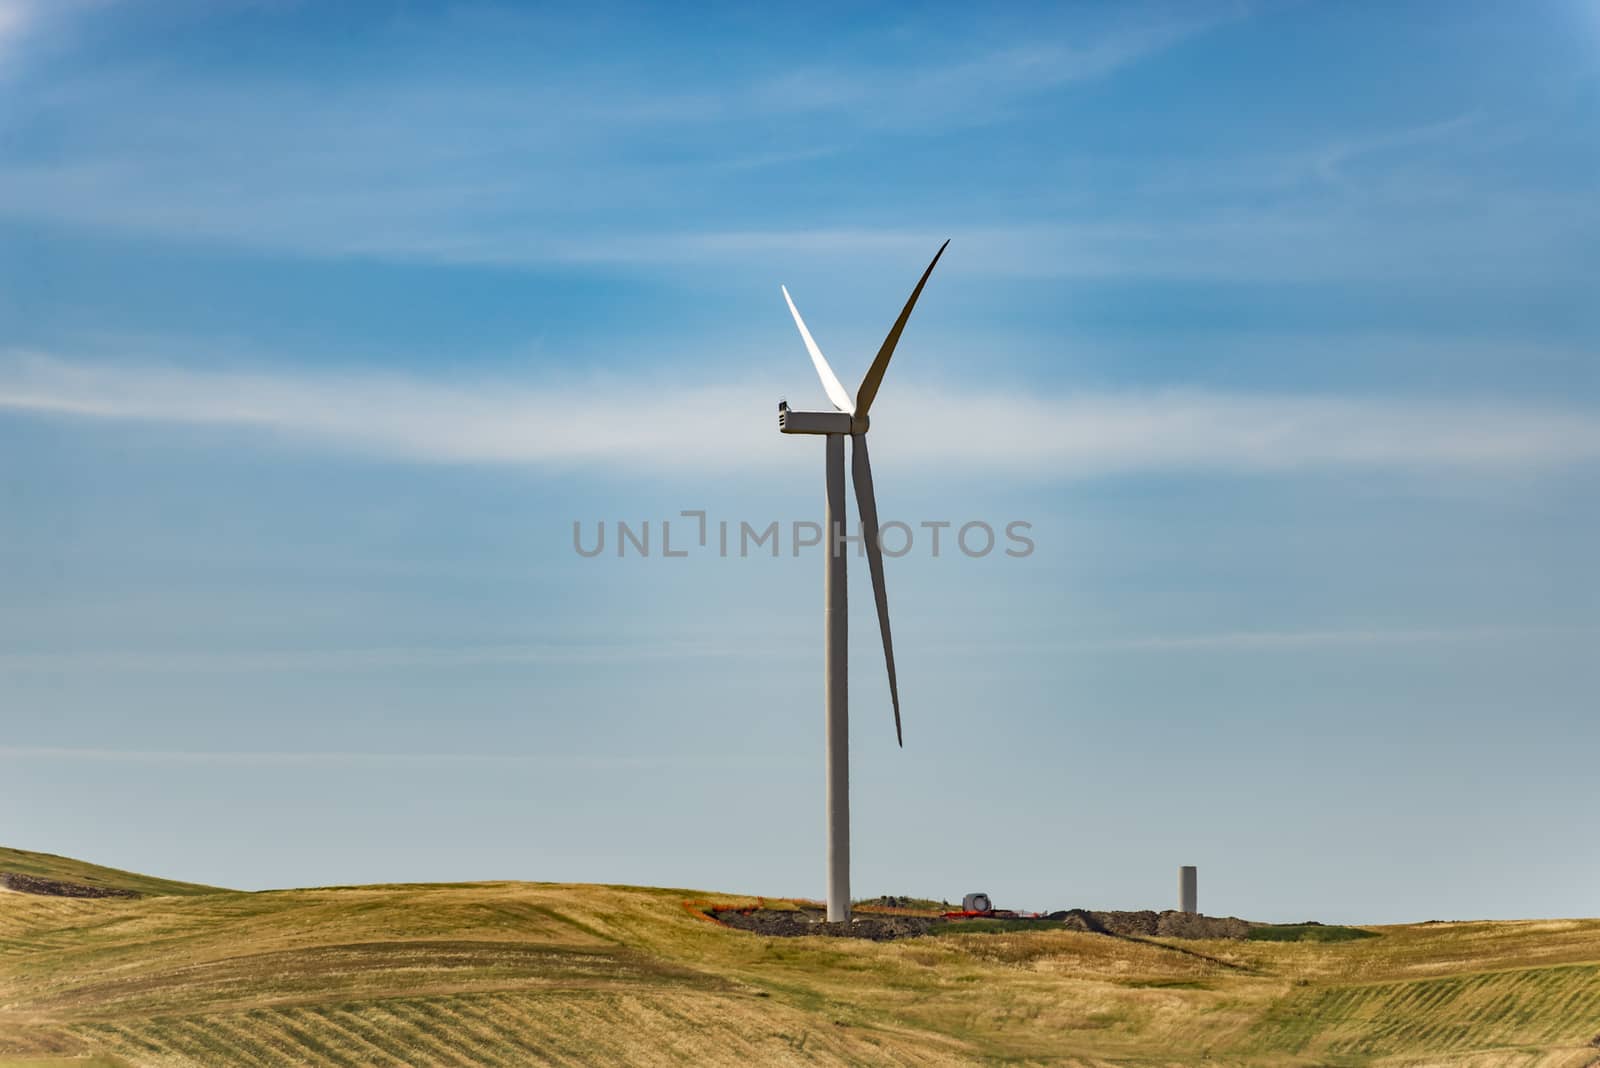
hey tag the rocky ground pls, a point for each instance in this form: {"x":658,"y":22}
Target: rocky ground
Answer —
{"x":788,"y":923}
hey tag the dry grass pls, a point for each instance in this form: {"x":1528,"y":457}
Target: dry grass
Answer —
{"x":519,"y":973}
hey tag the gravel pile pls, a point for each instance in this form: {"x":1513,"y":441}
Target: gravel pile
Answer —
{"x":789,"y":923}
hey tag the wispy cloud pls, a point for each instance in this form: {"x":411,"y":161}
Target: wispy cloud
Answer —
{"x":939,"y":91}
{"x":1331,"y":162}
{"x":215,"y":661}
{"x":1289,"y":640}
{"x":232,"y":661}
{"x":1298,"y":244}
{"x":340,"y":209}
{"x":661,"y":168}
{"x":587,"y":166}
{"x":631,"y":426}
{"x":341,"y":759}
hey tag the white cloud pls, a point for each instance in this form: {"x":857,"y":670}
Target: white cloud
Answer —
{"x":634,"y":426}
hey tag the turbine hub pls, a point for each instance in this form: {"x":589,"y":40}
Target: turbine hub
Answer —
{"x":859,"y":424}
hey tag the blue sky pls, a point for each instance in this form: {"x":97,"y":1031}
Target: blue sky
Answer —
{"x":320,"y":328}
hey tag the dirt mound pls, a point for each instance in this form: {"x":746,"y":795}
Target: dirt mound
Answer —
{"x":789,"y":923}
{"x":1194,"y":925}
{"x":33,"y":884}
{"x":1079,"y":920}
{"x":1147,"y":923}
{"x":1143,"y":923}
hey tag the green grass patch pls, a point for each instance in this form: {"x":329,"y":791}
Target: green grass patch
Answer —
{"x":927,"y":904}
{"x":1308,"y":932}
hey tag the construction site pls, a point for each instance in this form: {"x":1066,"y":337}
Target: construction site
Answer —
{"x":887,"y":918}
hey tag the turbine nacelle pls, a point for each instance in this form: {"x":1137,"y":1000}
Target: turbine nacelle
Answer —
{"x":793,"y":422}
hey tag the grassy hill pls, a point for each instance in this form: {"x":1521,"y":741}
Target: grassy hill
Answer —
{"x":65,"y":869}
{"x":525,"y":973}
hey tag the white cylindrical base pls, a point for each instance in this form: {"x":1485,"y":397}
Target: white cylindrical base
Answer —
{"x":1188,"y":889}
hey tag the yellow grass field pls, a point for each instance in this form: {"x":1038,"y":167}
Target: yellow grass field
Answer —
{"x":536,"y":973}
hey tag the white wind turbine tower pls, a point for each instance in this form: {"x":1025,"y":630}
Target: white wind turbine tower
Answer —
{"x":850,"y":417}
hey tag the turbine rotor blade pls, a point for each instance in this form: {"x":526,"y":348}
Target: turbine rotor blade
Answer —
{"x":867,"y":506}
{"x":830,"y":381}
{"x":880,"y":363}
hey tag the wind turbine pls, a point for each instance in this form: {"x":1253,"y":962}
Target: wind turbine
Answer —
{"x":848,"y":418}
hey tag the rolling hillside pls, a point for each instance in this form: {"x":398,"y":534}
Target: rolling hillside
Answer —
{"x":525,"y":973}
{"x":65,"y":869}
